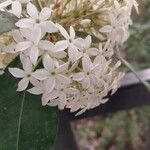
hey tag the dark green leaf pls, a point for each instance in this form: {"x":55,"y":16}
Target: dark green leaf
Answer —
{"x":7,"y":22}
{"x":24,"y":123}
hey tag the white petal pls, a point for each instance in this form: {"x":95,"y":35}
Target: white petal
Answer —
{"x":92,"y":51}
{"x":63,"y":31}
{"x":61,"y":46}
{"x":88,"y":41}
{"x":16,"y":9}
{"x":72,"y":33}
{"x":62,"y":101}
{"x":71,"y":91}
{"x":50,"y":84}
{"x":32,"y":11}
{"x":36,"y":90}
{"x":5,"y":4}
{"x":48,"y":63}
{"x":45,"y":14}
{"x":46,"y":45}
{"x":87,"y":64}
{"x":73,"y":53}
{"x":62,"y":79}
{"x":106,"y":29}
{"x":23,"y":84}
{"x":40,"y":74}
{"x":86,"y":83}
{"x":63,"y":68}
{"x":27,"y":66}
{"x":23,"y":46}
{"x":25,"y":23}
{"x":17,"y":35}
{"x":36,"y":35}
{"x":34,"y":54}
{"x":79,"y":76}
{"x":48,"y":26}
{"x":16,"y":72}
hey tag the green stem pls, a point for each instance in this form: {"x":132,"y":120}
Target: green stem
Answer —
{"x":19,"y":122}
{"x":127,"y":64}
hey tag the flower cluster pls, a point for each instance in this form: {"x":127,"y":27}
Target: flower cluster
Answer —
{"x":62,"y":62}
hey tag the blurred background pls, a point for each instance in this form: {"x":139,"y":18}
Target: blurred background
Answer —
{"x":124,"y":130}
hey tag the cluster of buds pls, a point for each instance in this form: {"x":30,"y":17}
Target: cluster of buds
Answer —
{"x":66,"y":49}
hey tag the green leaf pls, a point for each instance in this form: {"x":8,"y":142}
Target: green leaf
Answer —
{"x":24,"y":123}
{"x":7,"y":22}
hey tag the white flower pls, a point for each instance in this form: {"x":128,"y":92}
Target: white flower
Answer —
{"x":16,"y":7}
{"x":51,"y":74}
{"x":62,"y":93}
{"x":25,"y":74}
{"x":69,"y":42}
{"x":32,"y":44}
{"x":38,"y":19}
{"x":85,"y":48}
{"x":89,"y":76}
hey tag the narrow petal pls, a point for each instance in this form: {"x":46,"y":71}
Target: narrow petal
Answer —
{"x":17,"y":36}
{"x":73,"y":53}
{"x":48,"y":63}
{"x":36,"y":90}
{"x":63,"y":68}
{"x":61,"y":46}
{"x":23,"y":46}
{"x":16,"y":8}
{"x":50,"y":84}
{"x":92,"y":51}
{"x":106,"y":29}
{"x":27,"y":65}
{"x":16,"y":72}
{"x":5,"y":4}
{"x":23,"y":84}
{"x":63,"y":31}
{"x":25,"y":23}
{"x":79,"y":76}
{"x":32,"y":11}
{"x":87,"y":64}
{"x":61,"y":79}
{"x":86,"y":83}
{"x":62,"y":101}
{"x":46,"y":45}
{"x":40,"y":74}
{"x":45,"y":14}
{"x":34,"y":54}
{"x":36,"y":35}
{"x":88,"y":41}
{"x":72,"y":33}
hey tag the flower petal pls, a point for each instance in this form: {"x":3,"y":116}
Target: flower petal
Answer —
{"x":36,"y":35}
{"x":61,"y":46}
{"x":40,"y":74}
{"x":36,"y":90}
{"x":50,"y":84}
{"x":48,"y":63}
{"x":23,"y":84}
{"x":32,"y":11}
{"x":87,"y":64}
{"x":23,"y":46}
{"x":106,"y":29}
{"x":45,"y":14}
{"x":34,"y":54}
{"x":63,"y":31}
{"x":16,"y":72}
{"x":79,"y":76}
{"x":72,"y":33}
{"x":25,"y":23}
{"x":5,"y":4}
{"x":16,"y":8}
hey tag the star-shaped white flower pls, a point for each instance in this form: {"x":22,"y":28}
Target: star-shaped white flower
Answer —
{"x":38,"y":19}
{"x":69,"y":42}
{"x":90,"y":74}
{"x":16,"y":6}
{"x":61,"y":93}
{"x":25,"y":74}
{"x":51,"y":74}
{"x":85,"y":48}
